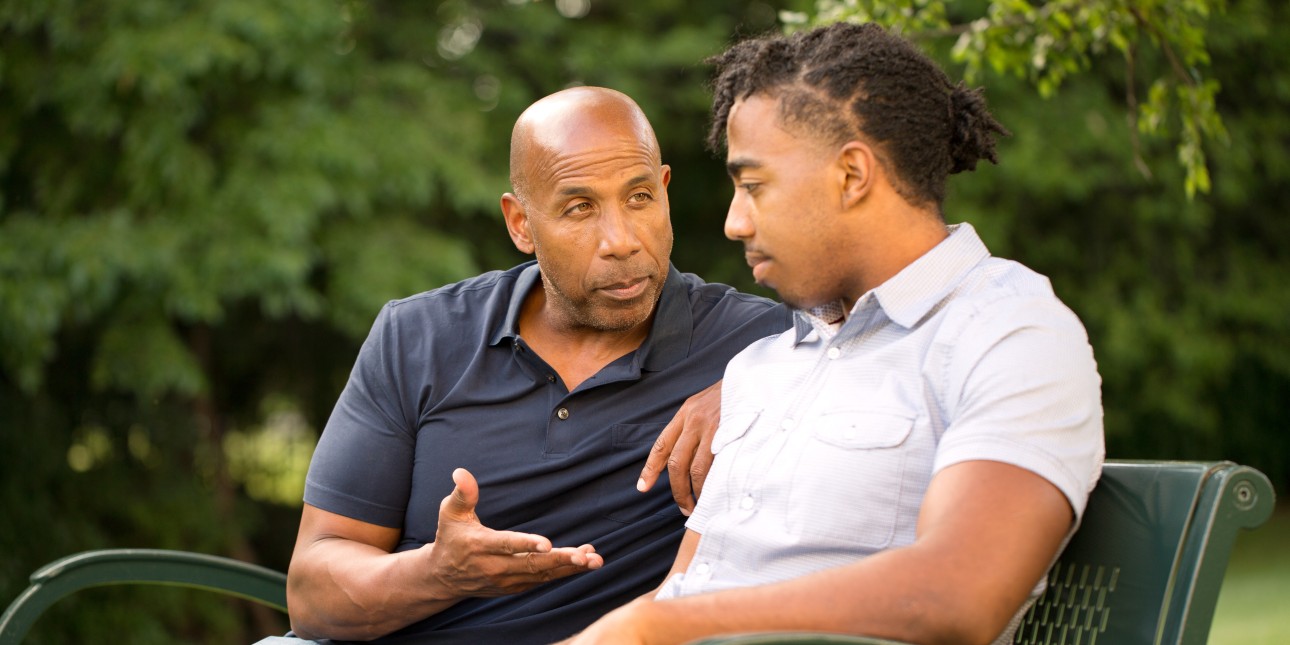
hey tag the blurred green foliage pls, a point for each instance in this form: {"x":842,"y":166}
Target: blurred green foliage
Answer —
{"x":1046,"y":42}
{"x":204,"y":203}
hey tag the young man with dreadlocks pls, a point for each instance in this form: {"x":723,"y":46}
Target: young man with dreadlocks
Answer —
{"x":907,"y":461}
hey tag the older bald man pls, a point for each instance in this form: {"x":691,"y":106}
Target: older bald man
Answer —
{"x":487,"y":446}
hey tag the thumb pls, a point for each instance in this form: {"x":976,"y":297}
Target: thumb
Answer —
{"x":461,"y":502}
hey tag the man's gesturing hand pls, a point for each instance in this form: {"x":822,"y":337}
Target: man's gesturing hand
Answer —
{"x":470,"y":559}
{"x":685,"y":448}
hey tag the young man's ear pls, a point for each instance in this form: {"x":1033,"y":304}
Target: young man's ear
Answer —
{"x":859,"y":169}
{"x":517,"y":223}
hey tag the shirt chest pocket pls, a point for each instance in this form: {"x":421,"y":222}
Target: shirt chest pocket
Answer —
{"x":617,"y":496}
{"x":851,"y":482}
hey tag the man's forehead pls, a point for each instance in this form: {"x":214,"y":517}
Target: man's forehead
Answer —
{"x":561,"y":158}
{"x":751,"y":114}
{"x":608,"y":166}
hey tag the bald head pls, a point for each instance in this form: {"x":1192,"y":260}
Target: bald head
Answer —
{"x":578,"y":117}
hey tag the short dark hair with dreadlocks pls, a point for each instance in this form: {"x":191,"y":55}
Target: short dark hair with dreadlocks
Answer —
{"x":848,"y":81}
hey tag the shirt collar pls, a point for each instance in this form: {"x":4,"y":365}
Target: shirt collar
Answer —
{"x":909,"y":295}
{"x":510,"y":327}
{"x":669,"y":337}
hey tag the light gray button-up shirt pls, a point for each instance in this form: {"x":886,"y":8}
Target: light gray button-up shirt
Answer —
{"x":831,"y":433}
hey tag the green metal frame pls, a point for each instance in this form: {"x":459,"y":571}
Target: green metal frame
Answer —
{"x":139,"y":566}
{"x":1145,"y":566}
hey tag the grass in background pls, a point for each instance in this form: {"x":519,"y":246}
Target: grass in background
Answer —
{"x":1256,"y":589}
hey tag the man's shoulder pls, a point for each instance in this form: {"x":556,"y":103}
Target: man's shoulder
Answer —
{"x":1000,"y":296}
{"x":474,"y":305}
{"x":483,"y":287}
{"x":708,"y":295}
{"x":717,"y":310}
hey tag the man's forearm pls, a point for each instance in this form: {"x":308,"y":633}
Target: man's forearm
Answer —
{"x":890,"y":595}
{"x":347,"y":590}
{"x":987,"y":533}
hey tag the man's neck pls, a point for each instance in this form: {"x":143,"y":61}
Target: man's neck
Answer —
{"x":576,"y":352}
{"x":903,"y":236}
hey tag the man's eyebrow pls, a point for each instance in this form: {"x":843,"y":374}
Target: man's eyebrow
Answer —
{"x":577,"y":191}
{"x":736,"y":166}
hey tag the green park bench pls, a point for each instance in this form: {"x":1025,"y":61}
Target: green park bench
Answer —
{"x":1145,"y":566}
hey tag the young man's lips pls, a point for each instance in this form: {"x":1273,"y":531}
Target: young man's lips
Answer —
{"x":757,"y":262}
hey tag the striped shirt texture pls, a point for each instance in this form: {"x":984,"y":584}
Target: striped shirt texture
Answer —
{"x":831,"y":432}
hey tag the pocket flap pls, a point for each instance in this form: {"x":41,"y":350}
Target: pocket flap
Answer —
{"x":865,"y":429}
{"x":733,"y":426}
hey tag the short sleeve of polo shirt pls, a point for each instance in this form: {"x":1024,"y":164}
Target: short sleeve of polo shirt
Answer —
{"x":1021,"y":387}
{"x":372,"y":402}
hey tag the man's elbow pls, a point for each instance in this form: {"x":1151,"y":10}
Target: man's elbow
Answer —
{"x":311,"y":628}
{"x":313,"y":618}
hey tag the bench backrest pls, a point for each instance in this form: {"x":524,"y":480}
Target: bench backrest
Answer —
{"x":1145,"y":566}
{"x":1148,"y":560}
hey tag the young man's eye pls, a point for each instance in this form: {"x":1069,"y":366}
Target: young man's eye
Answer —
{"x":749,"y":187}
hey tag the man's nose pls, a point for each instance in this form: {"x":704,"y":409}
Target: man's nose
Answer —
{"x":618,"y":236}
{"x":738,"y":224}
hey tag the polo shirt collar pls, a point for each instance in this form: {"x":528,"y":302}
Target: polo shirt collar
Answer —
{"x":670,"y":334}
{"x":909,"y":295}
{"x":529,"y":277}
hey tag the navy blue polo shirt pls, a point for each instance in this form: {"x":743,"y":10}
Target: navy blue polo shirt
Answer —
{"x":445,"y":381}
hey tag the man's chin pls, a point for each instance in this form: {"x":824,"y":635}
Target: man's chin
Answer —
{"x":624,"y":315}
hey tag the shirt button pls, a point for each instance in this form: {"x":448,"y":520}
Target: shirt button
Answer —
{"x":702,"y":569}
{"x":787,"y":424}
{"x":563,"y":413}
{"x":834,"y":353}
{"x":550,"y":378}
{"x":746,"y":503}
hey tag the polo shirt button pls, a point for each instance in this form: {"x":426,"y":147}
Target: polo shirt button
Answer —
{"x":746,"y":503}
{"x":787,"y":424}
{"x":834,"y":353}
{"x":702,"y":569}
{"x":550,"y":378}
{"x":563,"y":413}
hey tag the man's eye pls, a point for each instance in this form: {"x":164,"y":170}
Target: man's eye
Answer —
{"x":579,"y":209}
{"x":641,"y":197}
{"x":749,"y":187}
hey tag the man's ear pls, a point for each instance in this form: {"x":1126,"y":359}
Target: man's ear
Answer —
{"x":517,"y":223}
{"x":859,"y":170}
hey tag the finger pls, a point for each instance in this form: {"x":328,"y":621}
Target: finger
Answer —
{"x":692,"y":454}
{"x":514,"y":542}
{"x":658,"y":454}
{"x":707,"y":404}
{"x":539,"y":566}
{"x":702,"y":463}
{"x":586,"y":555}
{"x":460,"y":504}
{"x":678,"y":467}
